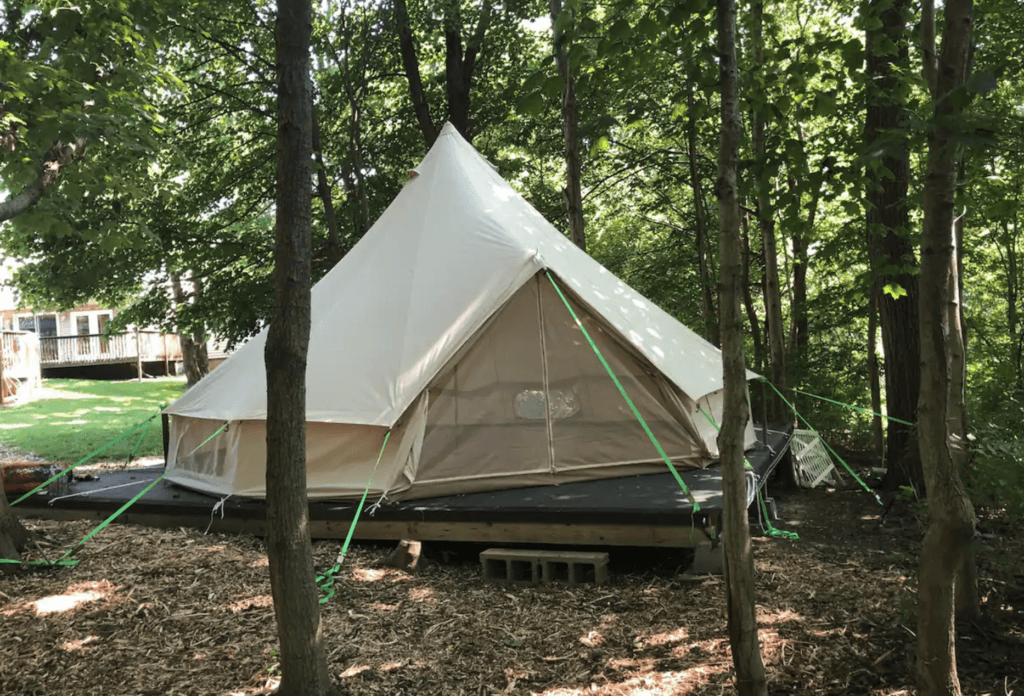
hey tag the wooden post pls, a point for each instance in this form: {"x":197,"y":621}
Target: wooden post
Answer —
{"x":167,"y":359}
{"x":138,"y":352}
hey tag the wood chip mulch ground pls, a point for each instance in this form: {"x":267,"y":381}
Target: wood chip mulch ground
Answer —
{"x":162,"y":612}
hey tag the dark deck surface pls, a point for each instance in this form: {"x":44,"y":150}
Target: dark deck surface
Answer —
{"x":653,"y":499}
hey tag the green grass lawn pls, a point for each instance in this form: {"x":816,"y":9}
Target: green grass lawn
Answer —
{"x":73,"y":417}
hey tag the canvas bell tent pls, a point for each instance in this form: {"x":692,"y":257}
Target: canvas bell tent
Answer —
{"x":448,"y":327}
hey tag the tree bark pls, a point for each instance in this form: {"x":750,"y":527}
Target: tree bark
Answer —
{"x":753,"y":322}
{"x":951,"y":515}
{"x":874,"y":380}
{"x":193,"y":350}
{"x":303,"y":661}
{"x":57,"y":158}
{"x":773,"y":292}
{"x":411,"y":66}
{"x":889,"y":248}
{"x":707,"y":302}
{"x":323,"y":190}
{"x":572,"y":193}
{"x":13,"y":536}
{"x":739,"y":559}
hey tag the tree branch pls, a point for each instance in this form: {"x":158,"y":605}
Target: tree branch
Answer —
{"x":57,"y":158}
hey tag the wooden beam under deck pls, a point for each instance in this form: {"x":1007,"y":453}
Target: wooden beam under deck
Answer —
{"x":667,"y":536}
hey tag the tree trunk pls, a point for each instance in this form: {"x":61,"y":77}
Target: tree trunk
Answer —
{"x":739,"y":558}
{"x":411,"y":66}
{"x":13,"y":536}
{"x":951,"y":515}
{"x":707,"y":301}
{"x":753,"y":322}
{"x":773,"y":292}
{"x":57,"y":158}
{"x":323,"y":189}
{"x":193,"y":355}
{"x":202,"y":358}
{"x":572,"y":193}
{"x":889,"y":245}
{"x":303,"y":662}
{"x":877,"y":432}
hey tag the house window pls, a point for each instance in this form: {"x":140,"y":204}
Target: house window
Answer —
{"x":101,"y":324}
{"x":27,"y":324}
{"x":82,"y":329}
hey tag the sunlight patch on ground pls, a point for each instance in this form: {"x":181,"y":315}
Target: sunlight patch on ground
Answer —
{"x":384,"y":607}
{"x":259,"y":601}
{"x":79,"y":645}
{"x":422,"y":594}
{"x":368,"y":574}
{"x":261,"y":563}
{"x":354,"y":670}
{"x":649,"y":683}
{"x":11,"y":426}
{"x":77,"y":421}
{"x":680,"y":634}
{"x":107,"y":408}
{"x":75,"y":596}
{"x":592,"y":639}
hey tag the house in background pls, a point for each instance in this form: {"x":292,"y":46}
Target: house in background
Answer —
{"x":73,"y":344}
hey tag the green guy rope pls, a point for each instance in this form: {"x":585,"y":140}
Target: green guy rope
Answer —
{"x":629,"y":402}
{"x":71,"y":562}
{"x":113,"y":517}
{"x":86,"y":458}
{"x":714,"y":425}
{"x":824,"y":442}
{"x":855,"y":408}
{"x":771,"y":530}
{"x":145,"y":431}
{"x":326,"y":581}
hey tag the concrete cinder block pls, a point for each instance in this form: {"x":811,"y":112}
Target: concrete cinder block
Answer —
{"x":708,"y":560}
{"x":532,"y":567}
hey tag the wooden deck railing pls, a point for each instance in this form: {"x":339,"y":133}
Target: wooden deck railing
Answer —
{"x":94,"y":349}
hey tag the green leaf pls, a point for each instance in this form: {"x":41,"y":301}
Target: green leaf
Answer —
{"x":531,"y":105}
{"x":894,"y":290}
{"x":600,"y":145}
{"x":824,"y":105}
{"x":851,"y":208}
{"x":553,"y":87}
{"x":620,"y":31}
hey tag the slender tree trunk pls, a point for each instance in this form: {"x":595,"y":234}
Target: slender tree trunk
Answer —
{"x":739,"y":557}
{"x":411,"y":65}
{"x":323,"y":190}
{"x":951,"y":515}
{"x":753,"y":322}
{"x":572,"y":193}
{"x":706,"y":299}
{"x":58,"y":158}
{"x":202,"y":357}
{"x":889,"y":244}
{"x":303,"y":662}
{"x":773,"y":292}
{"x":193,"y":354}
{"x":877,"y":433}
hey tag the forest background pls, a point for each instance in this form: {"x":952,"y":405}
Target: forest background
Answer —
{"x":138,"y":147}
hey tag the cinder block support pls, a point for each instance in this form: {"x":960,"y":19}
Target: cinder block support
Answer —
{"x":529,"y":567}
{"x":708,"y":560}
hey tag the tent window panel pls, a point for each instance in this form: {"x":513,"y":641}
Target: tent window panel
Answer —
{"x":212,"y":458}
{"x":475,"y":418}
{"x":603,"y":429}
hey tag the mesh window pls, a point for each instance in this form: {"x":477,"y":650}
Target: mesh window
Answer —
{"x":486,"y":414}
{"x":602,"y":429}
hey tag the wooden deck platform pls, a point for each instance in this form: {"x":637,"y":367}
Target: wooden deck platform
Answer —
{"x":648,"y":510}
